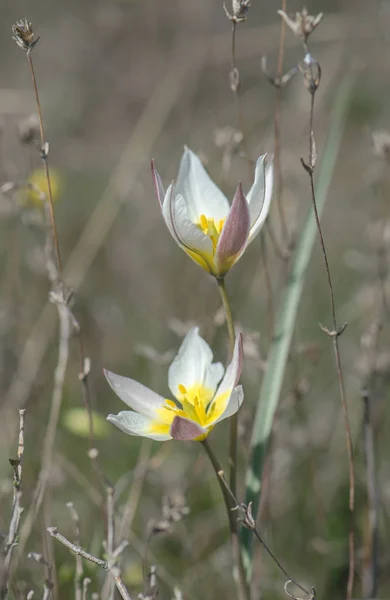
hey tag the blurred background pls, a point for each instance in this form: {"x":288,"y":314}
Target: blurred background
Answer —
{"x":122,"y":82}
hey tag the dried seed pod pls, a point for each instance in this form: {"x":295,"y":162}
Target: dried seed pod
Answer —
{"x":301,"y":24}
{"x":23,"y":35}
{"x":239,"y":10}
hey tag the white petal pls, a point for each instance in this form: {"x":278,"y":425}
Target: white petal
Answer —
{"x":133,"y":423}
{"x":201,"y":194}
{"x":260,"y":195}
{"x":186,"y":233}
{"x":214,"y":374}
{"x":167,"y":210}
{"x":233,"y":371}
{"x":234,"y":403}
{"x":191,"y":363}
{"x":134,"y":394}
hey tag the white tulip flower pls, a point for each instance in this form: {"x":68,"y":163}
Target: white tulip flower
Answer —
{"x":200,"y":219}
{"x":204,"y":395}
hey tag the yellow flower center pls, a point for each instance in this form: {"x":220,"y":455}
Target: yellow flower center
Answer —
{"x":211,"y":228}
{"x":196,"y":403}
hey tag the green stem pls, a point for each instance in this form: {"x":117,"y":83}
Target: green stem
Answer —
{"x":228,"y":313}
{"x":242,"y":587}
{"x":234,"y":418}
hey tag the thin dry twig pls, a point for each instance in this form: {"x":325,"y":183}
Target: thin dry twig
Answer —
{"x":24,"y":37}
{"x":12,"y":538}
{"x":247,"y":519}
{"x":48,"y":584}
{"x":110,"y":542}
{"x":370,"y":574}
{"x":277,"y":131}
{"x":79,"y":564}
{"x":113,"y":570}
{"x":51,"y":431}
{"x":312,"y":75}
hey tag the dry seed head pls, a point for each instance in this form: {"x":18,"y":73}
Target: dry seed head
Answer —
{"x":239,"y":10}
{"x":23,"y":34}
{"x":301,"y":24}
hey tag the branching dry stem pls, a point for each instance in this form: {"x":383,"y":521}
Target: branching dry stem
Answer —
{"x":248,"y":521}
{"x":242,"y":586}
{"x":44,"y":155}
{"x":277,"y":131}
{"x":12,"y":537}
{"x":334,"y":334}
{"x":111,"y":569}
{"x":78,"y":575}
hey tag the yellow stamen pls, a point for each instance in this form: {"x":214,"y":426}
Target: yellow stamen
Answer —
{"x":197,"y":404}
{"x":211,"y":229}
{"x":203,"y":223}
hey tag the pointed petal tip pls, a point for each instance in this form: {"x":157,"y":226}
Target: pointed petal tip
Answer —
{"x":235,"y":233}
{"x":240,"y":341}
{"x":158,"y":186}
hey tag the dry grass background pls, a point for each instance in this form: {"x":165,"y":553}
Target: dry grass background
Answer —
{"x":122,"y":82}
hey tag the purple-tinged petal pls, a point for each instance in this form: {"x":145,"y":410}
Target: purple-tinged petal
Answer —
{"x":234,"y":234}
{"x":167,"y":212}
{"x":158,"y":186}
{"x":184,"y":429}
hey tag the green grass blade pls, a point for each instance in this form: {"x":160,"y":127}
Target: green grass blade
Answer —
{"x":286,"y":317}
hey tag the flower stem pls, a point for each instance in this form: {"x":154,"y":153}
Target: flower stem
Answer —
{"x":242,"y":587}
{"x":234,"y":418}
{"x":228,"y":313}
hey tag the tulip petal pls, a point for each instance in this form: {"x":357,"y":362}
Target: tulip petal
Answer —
{"x":213,"y":376}
{"x":134,"y":394}
{"x":233,"y":405}
{"x":234,"y":234}
{"x":185,"y":232}
{"x":158,"y":186}
{"x":228,"y":383}
{"x":185,"y":429}
{"x":133,"y":423}
{"x":260,"y":195}
{"x":201,"y":194}
{"x":190,"y":365}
